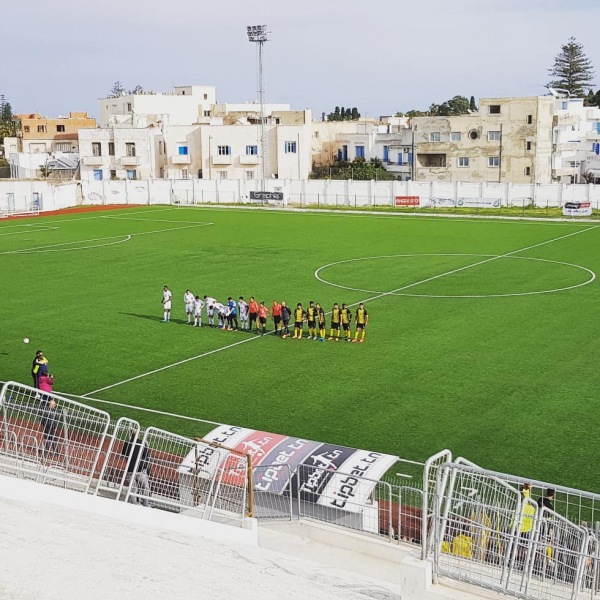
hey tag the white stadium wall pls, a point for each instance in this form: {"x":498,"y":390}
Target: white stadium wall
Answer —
{"x":20,"y":195}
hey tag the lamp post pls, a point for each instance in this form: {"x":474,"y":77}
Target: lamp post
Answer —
{"x":258,"y":35}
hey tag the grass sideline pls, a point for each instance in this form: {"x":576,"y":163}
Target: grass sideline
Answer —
{"x":510,"y":383}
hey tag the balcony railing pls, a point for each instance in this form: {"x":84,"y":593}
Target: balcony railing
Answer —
{"x":221,"y":159}
{"x":130,"y":161}
{"x":93,"y":161}
{"x":181,"y":159}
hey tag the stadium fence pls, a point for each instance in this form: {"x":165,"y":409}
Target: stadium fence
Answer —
{"x":473,"y":524}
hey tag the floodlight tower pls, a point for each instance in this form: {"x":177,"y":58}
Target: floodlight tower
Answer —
{"x":258,"y":34}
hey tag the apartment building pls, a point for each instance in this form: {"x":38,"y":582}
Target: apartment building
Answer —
{"x":118,"y":152}
{"x":507,"y":140}
{"x":576,"y":141}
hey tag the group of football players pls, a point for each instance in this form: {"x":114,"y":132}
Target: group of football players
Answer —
{"x":244,"y":316}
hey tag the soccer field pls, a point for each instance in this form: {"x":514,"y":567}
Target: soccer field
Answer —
{"x":482,"y":336}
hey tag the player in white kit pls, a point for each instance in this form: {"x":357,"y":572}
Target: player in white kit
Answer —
{"x":218,"y":308}
{"x":210,"y":303}
{"x":198,"y":306}
{"x":188,"y":300}
{"x":243,"y":310}
{"x":166,"y":302}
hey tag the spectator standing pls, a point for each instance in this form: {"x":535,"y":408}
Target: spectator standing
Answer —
{"x":547,"y":501}
{"x":49,"y":421}
{"x":39,"y":366}
{"x":139,"y":480}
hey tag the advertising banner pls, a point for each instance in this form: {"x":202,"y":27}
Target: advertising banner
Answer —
{"x":347,"y":489}
{"x":408,"y":200}
{"x":326,"y":474}
{"x":267,"y":196}
{"x":478,"y":202}
{"x":577,"y":209}
{"x":282,"y":461}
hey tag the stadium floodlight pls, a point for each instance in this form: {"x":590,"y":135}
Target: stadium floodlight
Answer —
{"x":258,"y":35}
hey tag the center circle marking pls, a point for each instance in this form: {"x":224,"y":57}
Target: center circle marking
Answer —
{"x":398,"y":292}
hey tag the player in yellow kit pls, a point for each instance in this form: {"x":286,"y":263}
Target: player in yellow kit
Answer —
{"x":321,"y":325}
{"x":299,"y":316}
{"x":336,"y":317}
{"x":311,"y":320}
{"x":362,"y":319}
{"x":346,"y":317}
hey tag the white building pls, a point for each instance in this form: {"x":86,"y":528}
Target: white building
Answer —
{"x":119,"y":152}
{"x":576,"y":139}
{"x":184,"y":106}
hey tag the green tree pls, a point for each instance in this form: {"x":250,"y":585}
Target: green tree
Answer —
{"x":572,"y":70}
{"x":593,"y":99}
{"x":348,"y":115}
{"x":118,"y":89}
{"x":355,"y":114}
{"x":8,"y":124}
{"x":472,"y":104}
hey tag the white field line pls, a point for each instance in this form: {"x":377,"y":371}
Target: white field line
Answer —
{"x":36,"y":229}
{"x":197,"y":357}
{"x":175,"y":364}
{"x":128,"y":236}
{"x":149,"y":220}
{"x":478,"y":263}
{"x":140,"y":408}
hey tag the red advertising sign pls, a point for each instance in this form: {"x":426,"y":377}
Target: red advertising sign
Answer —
{"x":408,"y":200}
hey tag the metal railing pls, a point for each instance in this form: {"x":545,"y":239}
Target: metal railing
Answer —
{"x":489,"y":531}
{"x":51,"y":439}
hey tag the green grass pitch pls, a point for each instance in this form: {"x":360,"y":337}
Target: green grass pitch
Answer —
{"x":464,"y":355}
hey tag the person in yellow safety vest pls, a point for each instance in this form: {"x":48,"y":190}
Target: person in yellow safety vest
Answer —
{"x":528,"y":510}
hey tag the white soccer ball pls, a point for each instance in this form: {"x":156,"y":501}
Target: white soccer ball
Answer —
{"x":26,"y":340}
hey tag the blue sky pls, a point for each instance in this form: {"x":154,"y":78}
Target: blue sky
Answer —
{"x":380,"y":56}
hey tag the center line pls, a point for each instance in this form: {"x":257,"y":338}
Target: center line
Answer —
{"x":410,"y":285}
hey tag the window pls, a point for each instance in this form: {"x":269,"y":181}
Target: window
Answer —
{"x":317,"y":134}
{"x":493,"y":161}
{"x":113,"y":174}
{"x":528,"y":146}
{"x":494,"y":109}
{"x":360,"y":151}
{"x":224,"y":150}
{"x":184,"y":174}
{"x":206,"y":113}
{"x":41,"y":129}
{"x":277,"y":121}
{"x":386,"y":154}
{"x":455,"y":136}
{"x":473,"y":134}
{"x":206,"y":96}
{"x":431,"y":161}
{"x":251,"y":150}
{"x":565,"y":105}
{"x":290,"y":147}
{"x":97,"y":174}
{"x":60,"y":128}
{"x":249,"y":174}
{"x":131,"y":174}
{"x":26,"y":129}
{"x":435,"y":136}
{"x":494,"y":136}
{"x":182,"y":151}
{"x":463,"y":161}
{"x":222,"y":174}
{"x":96,"y":149}
{"x":160,"y":147}
{"x":111,"y":148}
{"x":63,"y":147}
{"x":129,"y":107}
{"x":528,"y":171}
{"x":130,"y":149}
{"x":529,"y":119}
